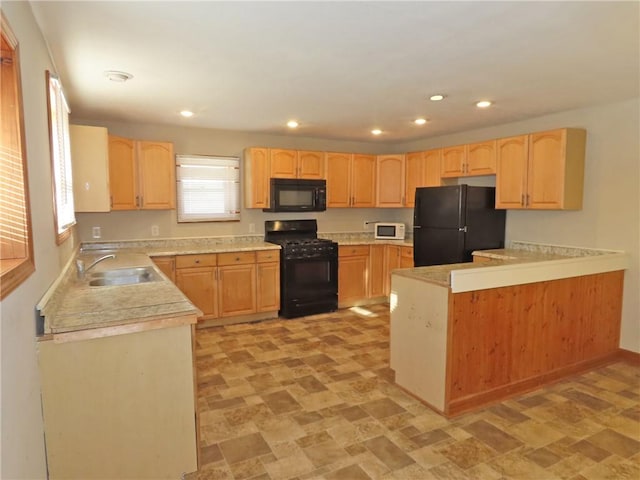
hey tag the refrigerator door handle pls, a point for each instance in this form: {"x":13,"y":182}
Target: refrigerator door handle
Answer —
{"x":417,"y":226}
{"x":463,"y":229}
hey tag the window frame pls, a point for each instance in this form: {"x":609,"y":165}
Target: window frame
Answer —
{"x":15,"y":270}
{"x":183,"y":161}
{"x":63,"y":232}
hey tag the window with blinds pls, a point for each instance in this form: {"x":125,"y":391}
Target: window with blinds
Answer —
{"x":60,"y":158}
{"x":208,"y":188}
{"x":16,"y":246}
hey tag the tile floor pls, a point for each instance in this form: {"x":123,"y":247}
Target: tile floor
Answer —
{"x":314,"y":398}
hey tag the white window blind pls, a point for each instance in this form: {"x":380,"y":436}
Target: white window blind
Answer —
{"x":208,"y":188}
{"x":61,"y":156}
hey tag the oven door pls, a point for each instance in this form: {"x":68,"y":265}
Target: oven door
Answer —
{"x":308,"y":286}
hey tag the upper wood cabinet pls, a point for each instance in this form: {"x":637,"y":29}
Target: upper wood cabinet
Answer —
{"x":142,"y":174}
{"x":296,"y":164}
{"x":469,"y":160}
{"x":256,"y":177}
{"x":390,"y":175}
{"x":422,"y":169}
{"x":543,"y":170}
{"x":350,"y":180}
{"x":90,"y":162}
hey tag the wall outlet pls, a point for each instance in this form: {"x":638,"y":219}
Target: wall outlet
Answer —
{"x":155,"y":230}
{"x":252,"y":228}
{"x":96,"y":232}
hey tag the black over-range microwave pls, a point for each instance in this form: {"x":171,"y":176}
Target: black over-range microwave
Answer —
{"x":297,"y":195}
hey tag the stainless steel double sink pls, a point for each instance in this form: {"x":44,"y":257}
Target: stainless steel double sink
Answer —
{"x":123,"y":276}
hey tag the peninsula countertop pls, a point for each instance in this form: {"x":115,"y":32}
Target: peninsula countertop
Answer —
{"x":522,"y":263}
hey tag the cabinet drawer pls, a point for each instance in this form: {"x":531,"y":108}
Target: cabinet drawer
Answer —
{"x":201,"y":260}
{"x":236,"y":258}
{"x":353,"y":250}
{"x":264,"y":256}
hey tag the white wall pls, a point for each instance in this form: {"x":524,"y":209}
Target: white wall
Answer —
{"x":22,"y":443}
{"x":609,"y":218}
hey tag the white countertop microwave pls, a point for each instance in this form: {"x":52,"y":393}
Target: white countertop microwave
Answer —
{"x":389,"y":231}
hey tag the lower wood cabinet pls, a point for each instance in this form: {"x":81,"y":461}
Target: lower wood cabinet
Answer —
{"x":230,"y":284}
{"x":353,"y":266}
{"x":376,"y":271}
{"x":167,"y":265}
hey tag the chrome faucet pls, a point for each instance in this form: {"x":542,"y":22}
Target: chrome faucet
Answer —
{"x":82,"y":270}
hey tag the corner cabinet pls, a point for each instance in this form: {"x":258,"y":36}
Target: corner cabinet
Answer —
{"x":142,"y":174}
{"x":543,"y":170}
{"x":351,"y":180}
{"x":390,"y":191}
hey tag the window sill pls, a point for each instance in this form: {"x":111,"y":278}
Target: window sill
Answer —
{"x":12,"y":273}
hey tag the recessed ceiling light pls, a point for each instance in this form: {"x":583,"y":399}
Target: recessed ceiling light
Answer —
{"x":483,"y":104}
{"x":292,"y":124}
{"x":376,"y":131}
{"x":436,"y":98}
{"x":116,"y":76}
{"x":420,"y":121}
{"x":186,"y":113}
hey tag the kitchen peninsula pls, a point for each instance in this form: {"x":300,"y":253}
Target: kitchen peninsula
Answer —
{"x":465,"y":335}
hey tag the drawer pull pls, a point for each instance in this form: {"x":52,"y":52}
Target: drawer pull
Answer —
{"x":237,"y":259}
{"x":197,"y":261}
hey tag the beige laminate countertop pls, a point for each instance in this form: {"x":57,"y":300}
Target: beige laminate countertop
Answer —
{"x":72,"y":305}
{"x":523,"y":263}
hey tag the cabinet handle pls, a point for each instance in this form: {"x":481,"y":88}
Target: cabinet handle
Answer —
{"x":137,"y":201}
{"x":528,"y":200}
{"x":197,"y":261}
{"x":111,"y":201}
{"x":237,"y":259}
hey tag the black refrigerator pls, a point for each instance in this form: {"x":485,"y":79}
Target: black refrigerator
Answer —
{"x":451,"y":222}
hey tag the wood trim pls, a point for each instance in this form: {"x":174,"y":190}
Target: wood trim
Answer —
{"x":629,"y":356}
{"x":195,"y":392}
{"x":138,"y":326}
{"x":12,"y":275}
{"x":472,"y":402}
{"x":252,"y":317}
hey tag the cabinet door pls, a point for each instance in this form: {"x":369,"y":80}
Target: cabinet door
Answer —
{"x":90,"y":163}
{"x":256,"y":178}
{"x":167,"y":265}
{"x":284,"y":163}
{"x":338,"y":179}
{"x":237,"y":290}
{"x":268,"y":287}
{"x":414,"y":168}
{"x":546,"y":172}
{"x":123,"y":176}
{"x":352,"y":278}
{"x":311,"y":165}
{"x":511,"y":171}
{"x":376,"y":271}
{"x":391,"y":262}
{"x":406,"y":257}
{"x":157,"y":170}
{"x":390,"y":181}
{"x":363,"y":181}
{"x":454,"y":160}
{"x":481,"y":158}
{"x":199,"y":285}
{"x":432,"y":162}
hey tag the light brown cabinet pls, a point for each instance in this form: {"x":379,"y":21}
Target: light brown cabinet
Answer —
{"x":376,"y":271}
{"x":543,"y":170}
{"x":351,"y":180}
{"x":141,"y":174}
{"x":237,"y":283}
{"x":196,"y":277}
{"x":406,"y":257}
{"x":391,"y":262}
{"x":353,"y":263}
{"x":390,"y":181}
{"x":469,"y":160}
{"x":167,"y":265}
{"x":422,"y":170}
{"x":230,"y":284}
{"x":256,"y":178}
{"x":296,"y":164}
{"x":268,"y":280}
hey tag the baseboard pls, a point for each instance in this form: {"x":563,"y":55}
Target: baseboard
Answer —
{"x":481,"y":399}
{"x":253,"y":317}
{"x":629,"y":356}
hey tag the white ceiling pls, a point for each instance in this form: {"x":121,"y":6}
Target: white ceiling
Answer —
{"x":341,"y":68}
